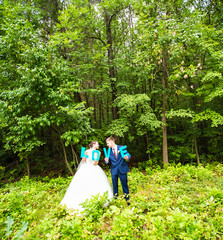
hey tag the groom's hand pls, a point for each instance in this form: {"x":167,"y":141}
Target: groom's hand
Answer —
{"x":106,"y":160}
{"x":126,"y":158}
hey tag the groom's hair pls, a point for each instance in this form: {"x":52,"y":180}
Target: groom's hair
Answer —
{"x":110,"y":139}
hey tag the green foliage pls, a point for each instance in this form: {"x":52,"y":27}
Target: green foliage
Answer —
{"x":216,"y":118}
{"x":192,"y":54}
{"x":180,"y":113}
{"x":135,"y":115}
{"x":40,"y":89}
{"x":94,"y":207}
{"x":178,"y":202}
{"x":68,"y":68}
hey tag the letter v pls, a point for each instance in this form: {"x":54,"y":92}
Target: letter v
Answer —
{"x":107,"y":154}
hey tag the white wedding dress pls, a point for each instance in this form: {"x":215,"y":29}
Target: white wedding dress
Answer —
{"x":88,"y":181}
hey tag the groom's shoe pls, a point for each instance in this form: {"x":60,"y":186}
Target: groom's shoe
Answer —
{"x":128,"y":203}
{"x":115,"y":196}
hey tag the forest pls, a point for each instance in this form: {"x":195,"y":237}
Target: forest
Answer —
{"x":150,"y":74}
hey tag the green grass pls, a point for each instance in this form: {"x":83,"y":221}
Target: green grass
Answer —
{"x":178,"y":202}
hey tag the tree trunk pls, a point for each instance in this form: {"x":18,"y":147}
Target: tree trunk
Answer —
{"x":94,"y":103}
{"x":164,"y":83}
{"x":100,"y":119}
{"x":107,"y":109}
{"x":111,"y":62}
{"x":65,"y":157}
{"x":196,"y":150}
{"x":75,"y":160}
{"x":147,"y":143}
{"x":28,"y":167}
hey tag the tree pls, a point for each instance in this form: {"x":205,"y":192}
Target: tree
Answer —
{"x":38,"y":95}
{"x":175,"y":46}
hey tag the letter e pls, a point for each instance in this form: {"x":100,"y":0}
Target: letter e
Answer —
{"x":123,"y":151}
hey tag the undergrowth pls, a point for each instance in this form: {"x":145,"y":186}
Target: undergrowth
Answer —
{"x":178,"y":202}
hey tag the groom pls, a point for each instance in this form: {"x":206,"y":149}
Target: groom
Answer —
{"x":119,"y":168}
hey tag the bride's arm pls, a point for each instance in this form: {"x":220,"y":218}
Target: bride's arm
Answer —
{"x":96,"y":162}
{"x":84,"y":158}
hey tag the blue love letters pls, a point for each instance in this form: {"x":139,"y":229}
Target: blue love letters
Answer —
{"x":107,"y":154}
{"x":122,"y":150}
{"x":93,"y":154}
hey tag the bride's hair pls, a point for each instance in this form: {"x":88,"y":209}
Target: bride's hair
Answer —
{"x":92,"y":143}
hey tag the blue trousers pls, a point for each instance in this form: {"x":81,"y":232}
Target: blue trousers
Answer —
{"x":124,"y":182}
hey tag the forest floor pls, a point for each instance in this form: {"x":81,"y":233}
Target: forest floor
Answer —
{"x":178,"y":202}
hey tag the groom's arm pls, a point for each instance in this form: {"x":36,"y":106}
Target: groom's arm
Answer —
{"x":106,"y":160}
{"x":127,"y":157}
{"x":126,"y":153}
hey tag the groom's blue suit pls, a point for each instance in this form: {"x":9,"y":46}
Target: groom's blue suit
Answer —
{"x":119,"y":169}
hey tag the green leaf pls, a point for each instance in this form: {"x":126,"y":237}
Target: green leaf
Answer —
{"x":9,"y":222}
{"x":20,"y":233}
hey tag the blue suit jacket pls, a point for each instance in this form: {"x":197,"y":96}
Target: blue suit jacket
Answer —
{"x":118,"y":165}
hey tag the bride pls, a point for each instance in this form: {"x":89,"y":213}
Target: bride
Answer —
{"x":88,"y":181}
